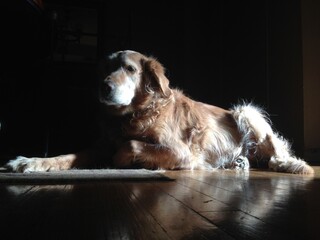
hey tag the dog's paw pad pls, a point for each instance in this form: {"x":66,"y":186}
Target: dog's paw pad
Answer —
{"x":241,"y":163}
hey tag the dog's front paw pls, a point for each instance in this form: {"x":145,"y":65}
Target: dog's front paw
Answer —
{"x":23,"y":164}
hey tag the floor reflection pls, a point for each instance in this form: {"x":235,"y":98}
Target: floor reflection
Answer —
{"x":197,"y":205}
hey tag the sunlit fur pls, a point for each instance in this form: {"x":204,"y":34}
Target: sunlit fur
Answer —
{"x":161,"y":128}
{"x":182,"y":133}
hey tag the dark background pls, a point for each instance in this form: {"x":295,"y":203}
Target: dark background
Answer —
{"x":218,"y":52}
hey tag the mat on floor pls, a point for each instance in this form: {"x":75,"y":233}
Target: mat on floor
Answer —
{"x":77,"y":175}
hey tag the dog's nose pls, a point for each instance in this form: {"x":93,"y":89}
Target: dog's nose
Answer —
{"x":108,"y":86}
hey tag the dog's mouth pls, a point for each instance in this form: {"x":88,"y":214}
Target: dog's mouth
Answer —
{"x":113,"y":93}
{"x":104,"y":95}
{"x":107,"y":99}
{"x":107,"y":96}
{"x":114,"y":98}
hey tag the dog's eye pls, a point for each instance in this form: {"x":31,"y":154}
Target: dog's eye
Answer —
{"x":130,"y":68}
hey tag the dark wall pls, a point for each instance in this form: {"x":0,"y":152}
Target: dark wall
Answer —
{"x":24,"y":43}
{"x":285,"y":70}
{"x":216,"y":51}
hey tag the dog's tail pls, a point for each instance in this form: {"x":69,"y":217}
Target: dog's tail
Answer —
{"x":261,"y":142}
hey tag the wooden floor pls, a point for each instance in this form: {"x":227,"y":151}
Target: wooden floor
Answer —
{"x":196,"y":205}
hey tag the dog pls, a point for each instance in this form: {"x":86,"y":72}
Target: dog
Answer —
{"x":147,"y":124}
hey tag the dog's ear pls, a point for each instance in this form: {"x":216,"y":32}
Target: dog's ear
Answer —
{"x":154,"y":73}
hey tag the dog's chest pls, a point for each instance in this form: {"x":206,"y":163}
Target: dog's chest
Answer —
{"x":142,"y":130}
{"x":121,"y":129}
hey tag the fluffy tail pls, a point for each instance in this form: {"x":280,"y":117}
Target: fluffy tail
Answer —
{"x":261,"y":141}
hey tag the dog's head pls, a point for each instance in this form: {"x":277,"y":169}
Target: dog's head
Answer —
{"x":129,"y":80}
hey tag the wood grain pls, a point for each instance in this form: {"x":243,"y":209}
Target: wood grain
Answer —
{"x":196,"y":205}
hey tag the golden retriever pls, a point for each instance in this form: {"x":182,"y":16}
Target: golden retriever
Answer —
{"x":147,"y":124}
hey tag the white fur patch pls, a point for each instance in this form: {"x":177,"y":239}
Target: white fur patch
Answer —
{"x":124,"y":94}
{"x":250,"y":117}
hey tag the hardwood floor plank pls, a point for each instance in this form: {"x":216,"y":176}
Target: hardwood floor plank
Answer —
{"x":26,"y":216}
{"x":244,"y":226}
{"x":84,"y":211}
{"x":128,"y":218}
{"x":250,"y":196}
{"x":193,"y":199}
{"x":11,"y":194}
{"x":179,"y":221}
{"x":197,"y":205}
{"x":279,"y":201}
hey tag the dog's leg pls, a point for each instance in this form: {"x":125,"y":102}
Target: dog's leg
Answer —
{"x":254,"y":126}
{"x":34,"y":164}
{"x":95,"y":156}
{"x":282,"y":159}
{"x":98,"y":155}
{"x":146,"y":155}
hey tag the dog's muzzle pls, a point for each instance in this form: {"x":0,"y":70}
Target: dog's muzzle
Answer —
{"x":106,"y":89}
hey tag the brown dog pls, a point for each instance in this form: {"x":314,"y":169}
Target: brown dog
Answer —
{"x":147,"y":124}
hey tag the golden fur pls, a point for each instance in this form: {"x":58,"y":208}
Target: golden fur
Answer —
{"x":147,"y":124}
